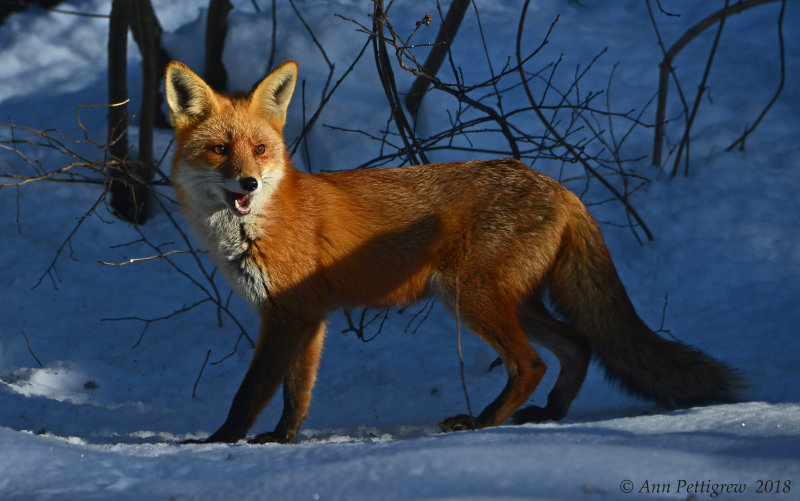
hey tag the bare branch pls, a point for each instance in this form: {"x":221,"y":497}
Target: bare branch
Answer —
{"x":149,"y":321}
{"x":30,"y":350}
{"x":308,"y":125}
{"x":575,"y":154}
{"x":460,"y":354}
{"x":138,"y":259}
{"x":781,"y":81}
{"x":413,"y":152}
{"x":684,"y":144}
{"x":669,"y":55}
{"x":68,"y":242}
{"x":445,"y":37}
{"x":197,"y":381}
{"x":363,"y":323}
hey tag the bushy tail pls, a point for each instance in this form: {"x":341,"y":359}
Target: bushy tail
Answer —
{"x":587,"y":291}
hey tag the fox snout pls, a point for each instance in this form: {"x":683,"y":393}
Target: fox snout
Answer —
{"x":239,"y":200}
{"x":249,"y":184}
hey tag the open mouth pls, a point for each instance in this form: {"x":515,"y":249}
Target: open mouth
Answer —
{"x":240,"y":202}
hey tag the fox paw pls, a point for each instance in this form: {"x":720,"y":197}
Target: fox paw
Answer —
{"x":270,"y":438}
{"x":210,"y":440}
{"x":458,"y":423}
{"x":535,"y":414}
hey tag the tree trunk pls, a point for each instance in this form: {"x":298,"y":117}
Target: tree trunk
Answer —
{"x":146,"y":31}
{"x":128,"y":177}
{"x":216,"y":29}
{"x":123,"y":199}
{"x":446,"y":35}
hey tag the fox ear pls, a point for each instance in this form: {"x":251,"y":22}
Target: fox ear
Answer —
{"x":188,"y":96}
{"x":270,"y":98}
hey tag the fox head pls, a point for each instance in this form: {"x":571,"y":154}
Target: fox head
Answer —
{"x":230,"y":150}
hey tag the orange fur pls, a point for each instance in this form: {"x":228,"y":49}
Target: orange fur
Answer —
{"x":297,"y":246}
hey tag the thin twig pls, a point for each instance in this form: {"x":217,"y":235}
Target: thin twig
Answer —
{"x":67,"y":241}
{"x":197,"y":381}
{"x":663,"y":318}
{"x":149,"y":321}
{"x":669,"y":55}
{"x":684,"y":144}
{"x":781,"y":81}
{"x":421,"y":315}
{"x":30,"y":350}
{"x":325,"y":99}
{"x":460,"y":354}
{"x":363,"y":323}
{"x":148,"y":258}
{"x":447,"y":32}
{"x":664,"y":11}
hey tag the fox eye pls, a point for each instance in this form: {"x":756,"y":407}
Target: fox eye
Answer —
{"x":220,"y":149}
{"x":260,"y":149}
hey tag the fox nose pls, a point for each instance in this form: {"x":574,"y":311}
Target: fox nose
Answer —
{"x":249,"y":184}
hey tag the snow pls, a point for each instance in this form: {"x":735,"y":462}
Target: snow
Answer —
{"x":738,"y":444}
{"x":103,"y":415}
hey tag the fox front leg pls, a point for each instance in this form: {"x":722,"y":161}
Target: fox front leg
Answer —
{"x":297,"y":388}
{"x":280,"y":344}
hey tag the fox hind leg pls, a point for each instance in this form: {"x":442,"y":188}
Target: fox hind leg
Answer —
{"x":496,"y":323}
{"x":573,"y":353}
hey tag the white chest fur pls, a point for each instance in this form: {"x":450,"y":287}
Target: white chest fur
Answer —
{"x":229,"y":241}
{"x":227,"y":237}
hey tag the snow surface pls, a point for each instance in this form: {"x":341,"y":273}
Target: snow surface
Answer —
{"x":102,"y":416}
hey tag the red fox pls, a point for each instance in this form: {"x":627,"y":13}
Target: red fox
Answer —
{"x":297,"y":246}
